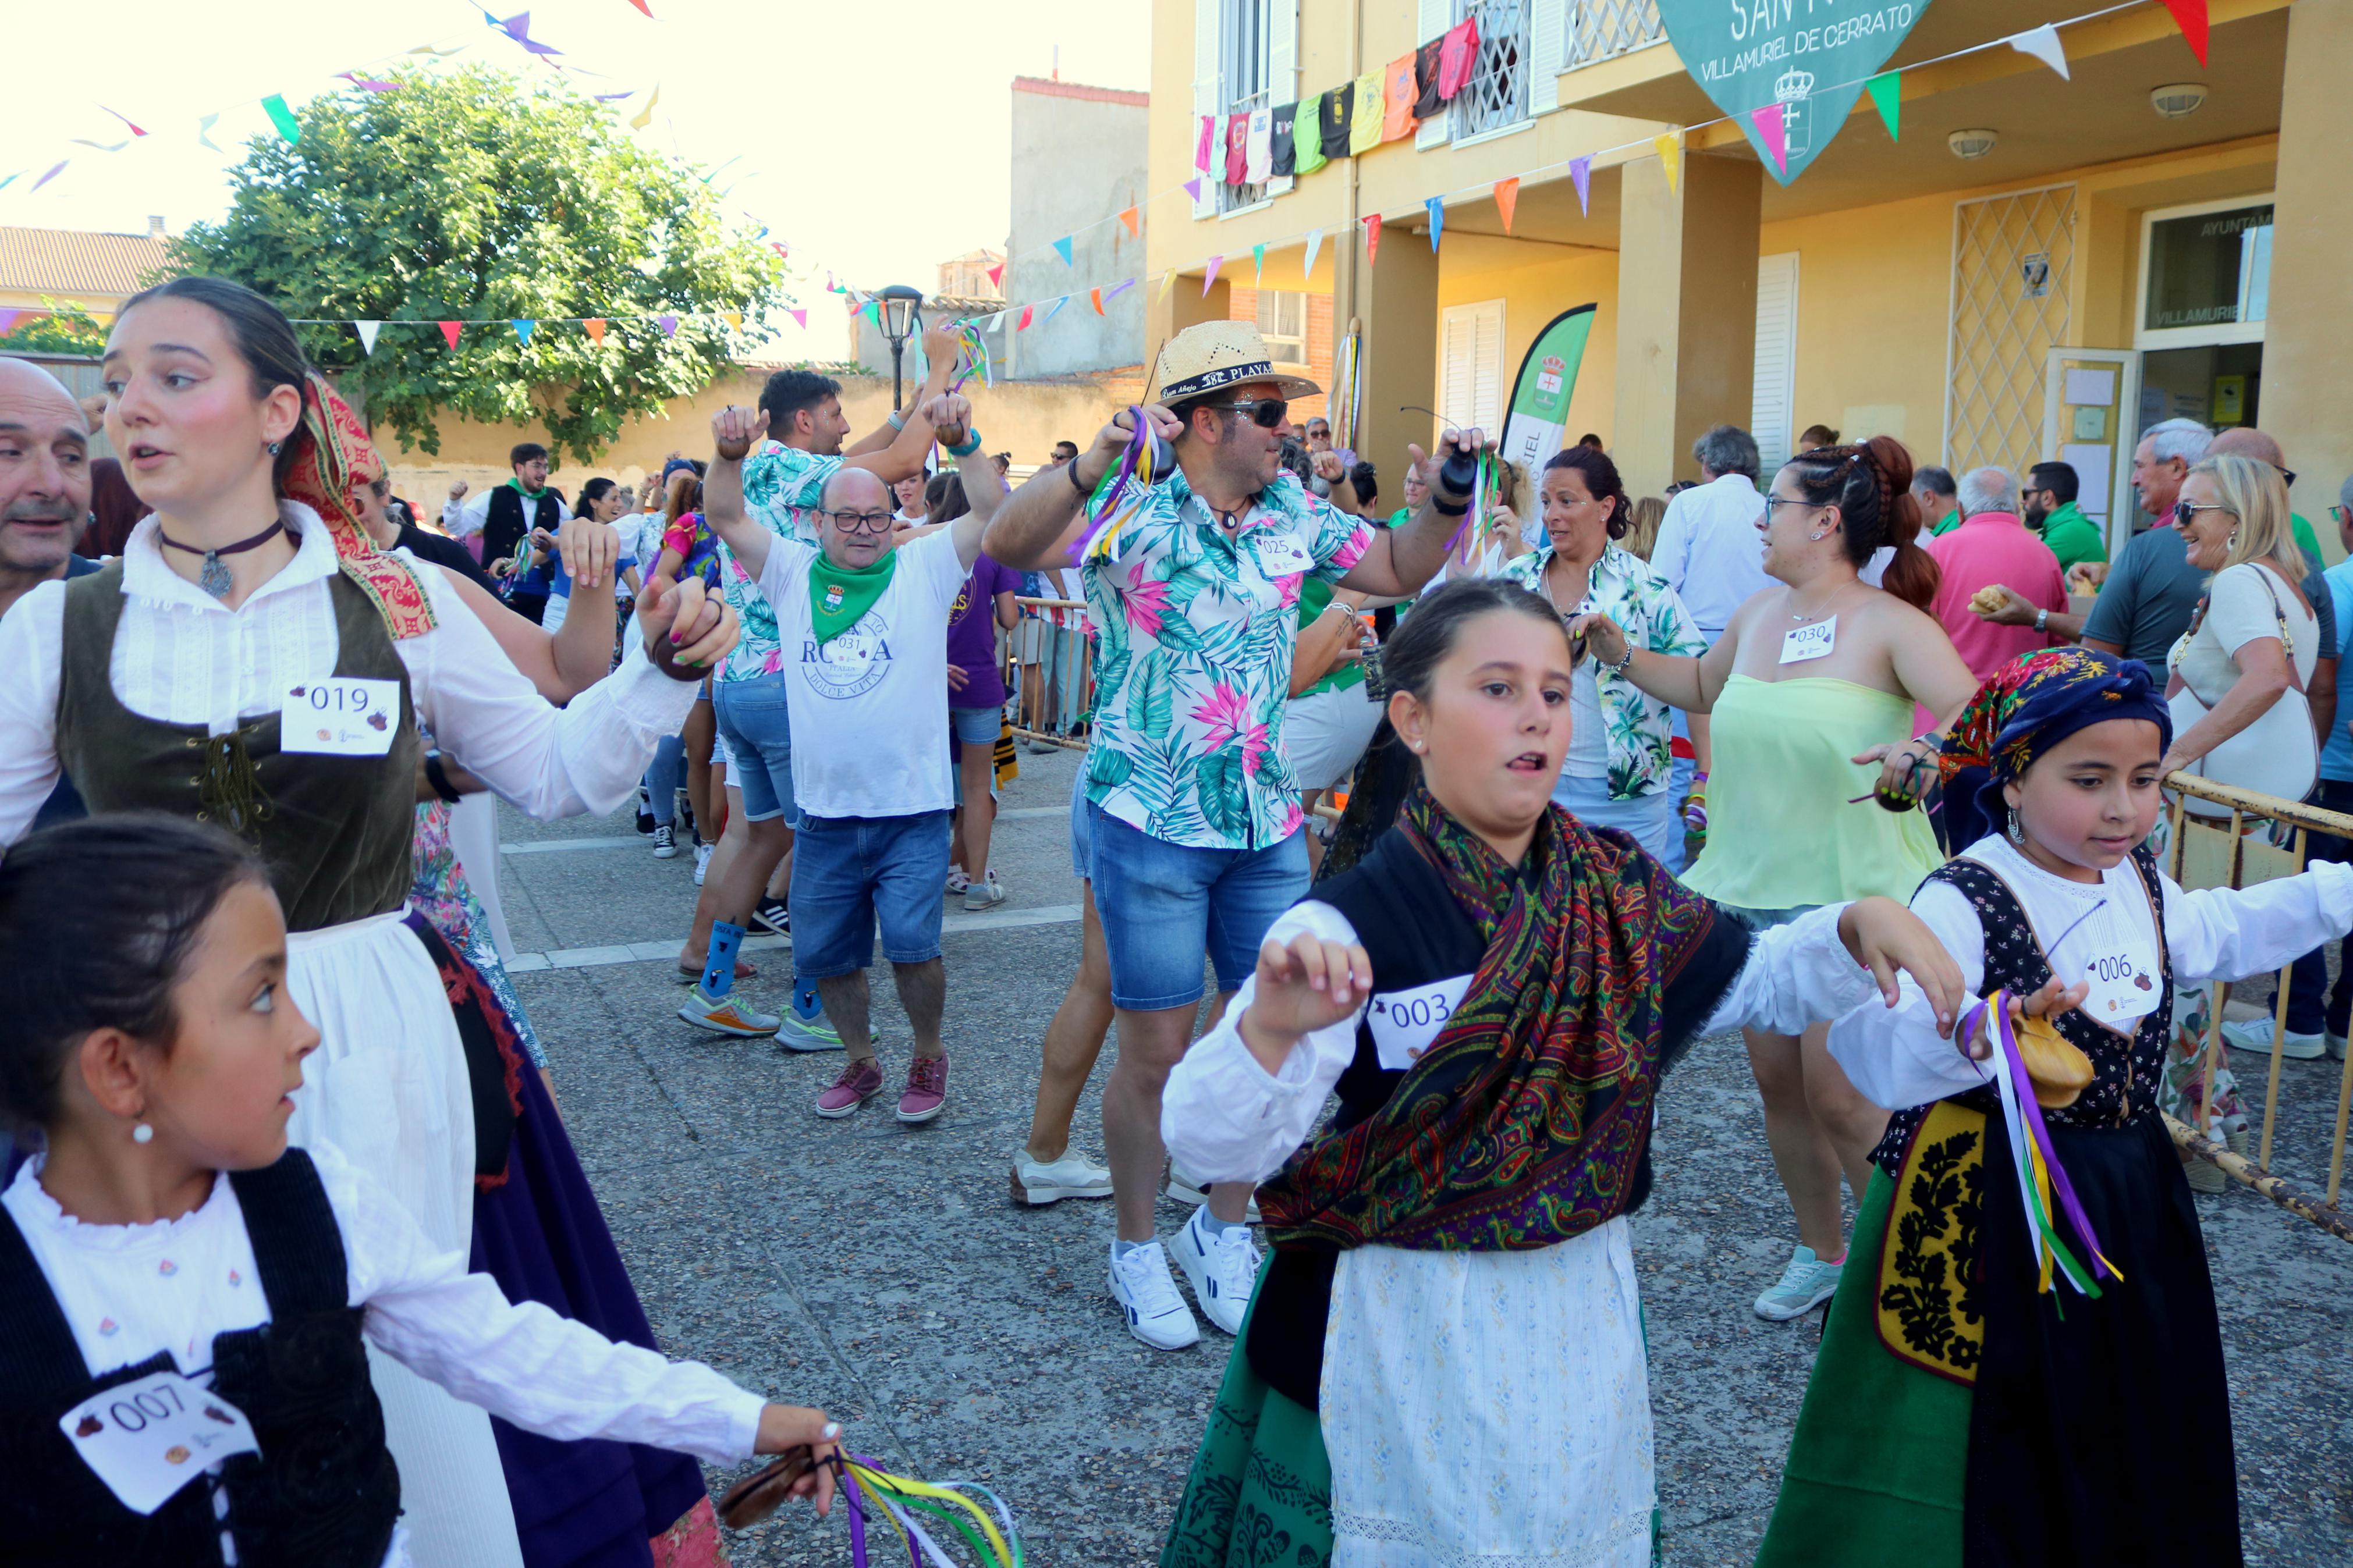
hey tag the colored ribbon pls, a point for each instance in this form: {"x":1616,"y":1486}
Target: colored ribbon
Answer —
{"x":1106,"y":514}
{"x":2040,"y":1173}
{"x":905,"y":1504}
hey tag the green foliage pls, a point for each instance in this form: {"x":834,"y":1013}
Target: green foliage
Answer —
{"x":476,"y":194}
{"x":66,"y":330}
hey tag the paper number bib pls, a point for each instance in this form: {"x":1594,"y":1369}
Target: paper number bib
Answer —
{"x":1406,"y":1023}
{"x":149,"y":1437}
{"x":2121,"y":992}
{"x":341,"y":716}
{"x":1809,"y":642}
{"x":1280,"y":556}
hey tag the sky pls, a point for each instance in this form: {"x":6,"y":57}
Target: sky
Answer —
{"x":873,"y":137}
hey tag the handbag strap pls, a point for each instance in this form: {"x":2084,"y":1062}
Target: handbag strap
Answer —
{"x":2279,"y":618}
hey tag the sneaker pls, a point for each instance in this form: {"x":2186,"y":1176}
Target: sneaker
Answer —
{"x":1037,"y":1184}
{"x":2205,"y":1176}
{"x":926,"y":1094}
{"x":957,"y":881}
{"x":1146,"y":1294}
{"x":1805,"y":1284}
{"x":665,"y":842}
{"x":774,"y":914}
{"x":799,"y":1034}
{"x":2255,"y":1035}
{"x":985,"y":894}
{"x":1222,"y":1268}
{"x":1046,"y":748}
{"x":2337,"y":1048}
{"x":645,"y":814}
{"x":728,"y":1015}
{"x":858,"y":1082}
{"x":1175,"y":1183}
{"x":701,"y":862}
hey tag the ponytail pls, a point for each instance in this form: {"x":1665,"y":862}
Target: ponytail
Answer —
{"x":1871,"y":484}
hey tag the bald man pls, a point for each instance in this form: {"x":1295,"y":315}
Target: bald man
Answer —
{"x":2246,"y":441}
{"x":43,"y":503}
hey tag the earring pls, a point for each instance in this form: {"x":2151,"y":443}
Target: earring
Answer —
{"x":274,"y":446}
{"x":143,"y":1133}
{"x":1816,"y":534}
{"x":2017,"y":833}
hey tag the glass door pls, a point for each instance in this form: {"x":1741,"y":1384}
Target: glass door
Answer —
{"x":2205,"y":294}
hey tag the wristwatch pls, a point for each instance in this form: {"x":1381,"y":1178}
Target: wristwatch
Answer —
{"x":2042,"y":619}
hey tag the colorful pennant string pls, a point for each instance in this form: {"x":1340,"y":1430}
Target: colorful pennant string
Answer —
{"x":1886,"y":91}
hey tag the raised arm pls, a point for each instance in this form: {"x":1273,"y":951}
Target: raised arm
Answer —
{"x":1039,"y":524}
{"x":1692,"y":684}
{"x":894,"y":455}
{"x":733,"y":431}
{"x":1401,"y":559}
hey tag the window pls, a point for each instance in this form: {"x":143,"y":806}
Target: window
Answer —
{"x":1245,"y":58}
{"x":1282,"y":323}
{"x":1497,"y":93}
{"x":2209,"y":269}
{"x":1244,"y":71}
{"x":1774,"y":389}
{"x":1471,"y":372}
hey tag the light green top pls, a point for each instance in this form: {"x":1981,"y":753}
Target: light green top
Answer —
{"x":1780,"y":832}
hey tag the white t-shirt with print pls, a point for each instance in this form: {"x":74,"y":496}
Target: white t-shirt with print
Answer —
{"x":870,"y":708}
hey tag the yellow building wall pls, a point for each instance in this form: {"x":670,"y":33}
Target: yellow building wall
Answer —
{"x":1535,"y":284}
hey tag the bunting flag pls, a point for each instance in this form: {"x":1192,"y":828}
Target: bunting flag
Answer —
{"x":1211,"y":276}
{"x":136,"y":131}
{"x":1167,"y":282}
{"x":10,"y":180}
{"x":1029,"y":314}
{"x":1508,"y":198}
{"x":1580,"y":174}
{"x":645,"y":117}
{"x":997,"y":275}
{"x":1886,"y":91}
{"x":204,"y":130}
{"x":368,"y":330}
{"x":1116,"y":290}
{"x":523,"y":329}
{"x":1193,"y":188}
{"x":1372,"y":237}
{"x":669,"y":325}
{"x":735,"y":319}
{"x":1057,"y":308}
{"x":799,"y":316}
{"x":1772,"y":123}
{"x":8,"y":317}
{"x":1436,"y":206}
{"x":450,"y":331}
{"x":283,"y":118}
{"x":2043,"y":44}
{"x":53,"y":173}
{"x":640,"y":4}
{"x":596,"y":327}
{"x":1258,"y":256}
{"x":1669,"y":145}
{"x":1062,"y":249}
{"x":101,"y":146}
{"x":1094,"y":297}
{"x":369,"y":84}
{"x":1133,"y":218}
{"x":518,"y":28}
{"x":1315,"y":244}
{"x":2189,"y":15}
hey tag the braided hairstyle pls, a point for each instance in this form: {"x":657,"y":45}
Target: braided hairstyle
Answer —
{"x":1871,"y":484}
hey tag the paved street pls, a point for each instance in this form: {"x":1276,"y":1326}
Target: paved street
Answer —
{"x":881,"y":1272}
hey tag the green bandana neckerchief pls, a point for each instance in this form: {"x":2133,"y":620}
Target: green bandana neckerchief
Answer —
{"x":528,"y":495}
{"x":840,"y":596}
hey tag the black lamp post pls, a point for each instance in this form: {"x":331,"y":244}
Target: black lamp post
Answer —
{"x":899,"y":308}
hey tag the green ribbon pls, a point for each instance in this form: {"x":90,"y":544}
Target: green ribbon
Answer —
{"x":840,"y":596}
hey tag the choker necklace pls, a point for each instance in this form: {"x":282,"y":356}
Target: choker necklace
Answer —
{"x":214,"y":578}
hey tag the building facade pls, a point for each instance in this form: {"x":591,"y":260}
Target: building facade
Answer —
{"x":2035,"y":267}
{"x":1079,"y":157}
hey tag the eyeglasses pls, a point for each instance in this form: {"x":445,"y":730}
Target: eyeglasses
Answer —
{"x":2185,"y":512}
{"x":2341,"y":513}
{"x":860,"y":521}
{"x":1266,"y":412}
{"x":1772,"y":501}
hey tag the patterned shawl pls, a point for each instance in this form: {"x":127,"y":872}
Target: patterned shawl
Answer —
{"x":1526,"y":1122}
{"x":332,"y":453}
{"x":2024,"y":708}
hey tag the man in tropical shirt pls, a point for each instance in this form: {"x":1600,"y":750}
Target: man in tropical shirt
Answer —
{"x":1193,"y":811}
{"x":782,"y":484}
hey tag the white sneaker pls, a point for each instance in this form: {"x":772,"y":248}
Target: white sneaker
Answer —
{"x":957,"y":882}
{"x":2255,"y":1035}
{"x":985,"y":894}
{"x":1805,"y":1284}
{"x":1175,"y":1183}
{"x":1222,"y":1268}
{"x":1073,"y":1175}
{"x":701,"y":862}
{"x":1147,"y":1293}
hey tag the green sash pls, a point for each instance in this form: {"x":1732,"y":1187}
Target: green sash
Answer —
{"x":840,"y":596}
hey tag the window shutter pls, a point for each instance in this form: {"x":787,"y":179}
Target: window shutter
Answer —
{"x":1547,"y":50}
{"x":1437,"y":16}
{"x":1281,"y":69}
{"x":1471,"y":383}
{"x":1776,"y":357}
{"x":1207,"y":98}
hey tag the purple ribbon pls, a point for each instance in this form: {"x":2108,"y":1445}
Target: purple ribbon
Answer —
{"x":857,"y":1519}
{"x":2031,"y":1113}
{"x":1109,"y":496}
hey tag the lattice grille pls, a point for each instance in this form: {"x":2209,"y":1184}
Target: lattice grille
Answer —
{"x":2005,"y":250}
{"x":1600,"y":28}
{"x":1498,"y":92}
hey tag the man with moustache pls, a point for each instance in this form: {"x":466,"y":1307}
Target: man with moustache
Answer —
{"x":43,"y":503}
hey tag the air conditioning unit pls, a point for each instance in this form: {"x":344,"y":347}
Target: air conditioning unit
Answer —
{"x":1973,"y":143}
{"x":2177,"y":100}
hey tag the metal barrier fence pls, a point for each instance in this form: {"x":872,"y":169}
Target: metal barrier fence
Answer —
{"x":1049,"y":672}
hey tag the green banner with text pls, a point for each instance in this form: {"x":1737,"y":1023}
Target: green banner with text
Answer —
{"x":1787,"y":71}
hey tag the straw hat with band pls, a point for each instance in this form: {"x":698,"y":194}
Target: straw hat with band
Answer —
{"x":1214,"y":355}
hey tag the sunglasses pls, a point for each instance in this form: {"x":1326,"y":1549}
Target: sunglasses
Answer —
{"x":2186,"y":513}
{"x":1266,"y":412}
{"x":861,"y":522}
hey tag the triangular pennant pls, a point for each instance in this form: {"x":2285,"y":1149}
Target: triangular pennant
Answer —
{"x":136,"y":131}
{"x":1669,"y":145}
{"x":640,"y":4}
{"x":799,"y":316}
{"x":8,"y":317}
{"x":523,"y":327}
{"x":1771,"y":123}
{"x":53,"y":173}
{"x":1116,"y":290}
{"x":1211,"y":275}
{"x":596,"y":328}
{"x":1058,"y":307}
{"x":368,"y":330}
{"x":1193,"y":188}
{"x":1580,"y":174}
{"x":734,"y":318}
{"x":10,"y":180}
{"x":369,"y":84}
{"x":1133,"y":218}
{"x":283,"y":118}
{"x":645,"y":117}
{"x":1094,"y":297}
{"x":1436,"y":206}
{"x":1315,"y":244}
{"x":1167,"y":282}
{"x":1886,"y":91}
{"x":1029,"y":314}
{"x":669,"y":325}
{"x":101,"y":146}
{"x":1372,"y":237}
{"x":1062,"y":249}
{"x":204,"y":130}
{"x":1507,"y":199}
{"x":1258,"y":257}
{"x":997,"y":275}
{"x":2043,"y":44}
{"x":2189,"y":15}
{"x":450,"y":331}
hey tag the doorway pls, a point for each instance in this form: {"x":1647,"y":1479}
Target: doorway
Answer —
{"x":2205,"y":293}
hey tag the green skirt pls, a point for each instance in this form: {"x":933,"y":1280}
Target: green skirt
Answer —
{"x":1259,"y":1494}
{"x":1878,"y":1465}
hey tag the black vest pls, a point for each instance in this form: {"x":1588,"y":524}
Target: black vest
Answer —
{"x":504,"y":526}
{"x":323,"y":1491}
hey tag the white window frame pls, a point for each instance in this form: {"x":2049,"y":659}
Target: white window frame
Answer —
{"x":1277,"y":342}
{"x":2211,"y":332}
{"x":1469,"y":316}
{"x":1775,"y":450}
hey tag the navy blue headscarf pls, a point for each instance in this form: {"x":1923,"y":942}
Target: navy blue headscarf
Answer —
{"x":2024,"y":708}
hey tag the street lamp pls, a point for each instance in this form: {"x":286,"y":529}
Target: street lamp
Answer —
{"x":898,"y":306}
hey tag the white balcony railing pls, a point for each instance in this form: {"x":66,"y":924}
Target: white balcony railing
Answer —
{"x":1603,"y":29}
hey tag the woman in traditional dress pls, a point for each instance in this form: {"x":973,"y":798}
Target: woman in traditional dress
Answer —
{"x":249,"y":662}
{"x":1442,"y":1361}
{"x":1967,"y":1408}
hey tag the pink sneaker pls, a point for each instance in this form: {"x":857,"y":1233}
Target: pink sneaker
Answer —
{"x":857,"y":1084}
{"x":926,"y":1094}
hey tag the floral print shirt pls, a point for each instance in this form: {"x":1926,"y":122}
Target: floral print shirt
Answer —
{"x":1628,"y":591}
{"x":1196,"y":636}
{"x":782,"y":487}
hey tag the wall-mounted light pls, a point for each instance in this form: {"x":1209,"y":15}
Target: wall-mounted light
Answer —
{"x":2178,"y":99}
{"x":1973,"y":143}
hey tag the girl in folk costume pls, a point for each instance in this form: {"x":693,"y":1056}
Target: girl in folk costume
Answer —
{"x":1494,"y":991}
{"x":2025,"y":1365}
{"x":183,"y":1378}
{"x":250,"y":662}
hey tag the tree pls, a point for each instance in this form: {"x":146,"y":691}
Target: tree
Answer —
{"x":65,"y":329}
{"x":475,"y":195}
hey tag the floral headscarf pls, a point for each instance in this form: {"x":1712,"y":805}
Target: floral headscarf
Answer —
{"x":333,"y":454}
{"x":2024,"y":708}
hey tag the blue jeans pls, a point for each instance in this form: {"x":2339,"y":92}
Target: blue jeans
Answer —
{"x":1162,"y":905}
{"x":757,"y":726}
{"x":665,"y":776}
{"x":1648,"y":817}
{"x":2308,"y":1012}
{"x":849,"y":872}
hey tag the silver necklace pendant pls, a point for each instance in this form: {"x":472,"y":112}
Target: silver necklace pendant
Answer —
{"x":214,"y":577}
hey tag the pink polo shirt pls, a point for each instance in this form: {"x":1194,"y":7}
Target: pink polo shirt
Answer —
{"x":1994,"y":547}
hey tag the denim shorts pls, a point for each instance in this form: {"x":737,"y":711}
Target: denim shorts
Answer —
{"x":849,"y":872}
{"x":1162,"y":905}
{"x":756,"y":727}
{"x":975,"y":726}
{"x":1081,"y":841}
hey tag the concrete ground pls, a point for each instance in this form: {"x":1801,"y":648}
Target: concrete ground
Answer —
{"x":881,"y":1272}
